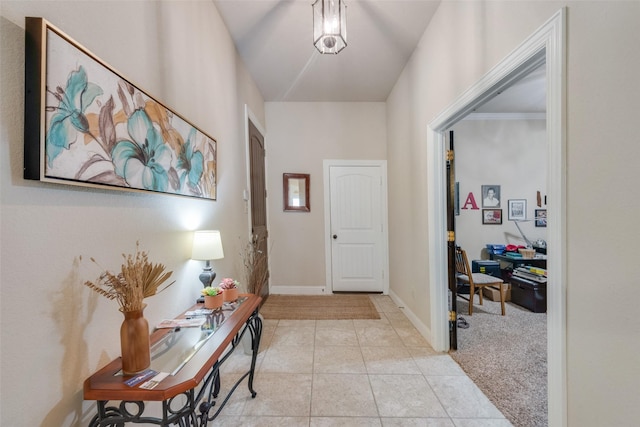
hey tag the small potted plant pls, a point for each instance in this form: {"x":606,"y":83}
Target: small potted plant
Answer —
{"x":230,"y":289}
{"x":213,"y":297}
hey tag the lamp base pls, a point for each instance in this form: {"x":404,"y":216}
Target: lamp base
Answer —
{"x":206,"y":277}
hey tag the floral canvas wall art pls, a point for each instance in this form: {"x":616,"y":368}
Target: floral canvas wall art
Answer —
{"x":85,"y":124}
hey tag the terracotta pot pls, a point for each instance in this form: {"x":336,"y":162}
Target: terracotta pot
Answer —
{"x":214,"y":302}
{"x":230,"y":294}
{"x":134,"y":342}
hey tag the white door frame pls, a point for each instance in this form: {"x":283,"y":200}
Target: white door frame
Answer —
{"x":326,"y":165}
{"x":546,"y":45}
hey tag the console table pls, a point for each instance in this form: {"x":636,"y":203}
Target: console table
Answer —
{"x":192,"y":357}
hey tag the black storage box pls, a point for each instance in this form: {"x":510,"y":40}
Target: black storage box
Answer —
{"x":529,"y":294}
{"x":486,"y":266}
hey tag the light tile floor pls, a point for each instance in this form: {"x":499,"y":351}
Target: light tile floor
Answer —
{"x":328,"y":373}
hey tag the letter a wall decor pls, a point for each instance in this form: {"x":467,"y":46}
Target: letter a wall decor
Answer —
{"x":85,"y":124}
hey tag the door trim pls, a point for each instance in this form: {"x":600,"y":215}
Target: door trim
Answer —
{"x":547,"y":44}
{"x":326,"y":165}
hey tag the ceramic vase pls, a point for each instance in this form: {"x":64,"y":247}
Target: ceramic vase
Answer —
{"x":230,"y":295}
{"x":214,"y":302}
{"x":134,"y":342}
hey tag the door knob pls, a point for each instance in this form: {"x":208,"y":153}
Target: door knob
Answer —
{"x":335,"y":236}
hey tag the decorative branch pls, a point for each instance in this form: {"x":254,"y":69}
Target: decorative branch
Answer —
{"x":137,"y":280}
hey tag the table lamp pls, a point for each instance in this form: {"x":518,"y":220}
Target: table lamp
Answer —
{"x":207,"y":245}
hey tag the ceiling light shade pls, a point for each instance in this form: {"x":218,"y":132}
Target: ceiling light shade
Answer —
{"x":329,"y":25}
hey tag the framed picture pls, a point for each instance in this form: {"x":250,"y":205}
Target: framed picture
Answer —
{"x":295,"y":189}
{"x":541,"y":217}
{"x":517,"y":209}
{"x":490,"y":196}
{"x":86,"y":124}
{"x":492,"y":216}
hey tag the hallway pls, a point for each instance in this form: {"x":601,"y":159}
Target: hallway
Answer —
{"x":354,"y":373}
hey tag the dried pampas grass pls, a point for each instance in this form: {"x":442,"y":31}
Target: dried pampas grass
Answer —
{"x":256,"y":266}
{"x":137,"y":280}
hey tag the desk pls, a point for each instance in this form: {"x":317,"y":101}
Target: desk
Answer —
{"x":189,"y":394}
{"x":539,"y":261}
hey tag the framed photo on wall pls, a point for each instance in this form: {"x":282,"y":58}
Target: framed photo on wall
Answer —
{"x":492,"y":216}
{"x":541,"y":217}
{"x":490,"y":196}
{"x":517,"y":210}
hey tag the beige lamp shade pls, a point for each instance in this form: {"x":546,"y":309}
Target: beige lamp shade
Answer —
{"x":207,"y":245}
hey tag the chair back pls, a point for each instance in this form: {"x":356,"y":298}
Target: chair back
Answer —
{"x":462,"y":263}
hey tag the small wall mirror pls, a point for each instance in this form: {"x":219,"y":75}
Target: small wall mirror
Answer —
{"x":295,"y":187}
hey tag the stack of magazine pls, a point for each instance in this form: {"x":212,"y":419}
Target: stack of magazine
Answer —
{"x":531,"y":273}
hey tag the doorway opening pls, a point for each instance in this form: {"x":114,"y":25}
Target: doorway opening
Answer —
{"x":546,"y":45}
{"x":500,"y":160}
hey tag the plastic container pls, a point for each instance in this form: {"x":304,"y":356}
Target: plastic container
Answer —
{"x":496,"y":249}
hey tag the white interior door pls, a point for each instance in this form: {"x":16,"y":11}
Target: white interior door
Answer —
{"x":358,"y":228}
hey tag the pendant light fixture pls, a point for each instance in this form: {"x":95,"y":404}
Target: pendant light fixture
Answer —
{"x":329,"y":25}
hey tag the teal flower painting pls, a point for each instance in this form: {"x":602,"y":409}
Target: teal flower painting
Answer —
{"x":69,"y":118}
{"x":190,"y":162}
{"x":101,"y":129}
{"x":144,"y":160}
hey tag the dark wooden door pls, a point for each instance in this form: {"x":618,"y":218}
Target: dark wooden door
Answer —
{"x":259,"y":230}
{"x":451,"y":245}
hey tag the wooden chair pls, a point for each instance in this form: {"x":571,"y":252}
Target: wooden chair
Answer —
{"x":476,"y":281}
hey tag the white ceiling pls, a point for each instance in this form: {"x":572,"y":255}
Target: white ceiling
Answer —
{"x":274,"y":39}
{"x":526,"y":96}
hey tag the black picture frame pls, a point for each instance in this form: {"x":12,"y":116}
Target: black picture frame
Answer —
{"x":541,"y":217}
{"x":492,"y":216}
{"x":489,"y":200}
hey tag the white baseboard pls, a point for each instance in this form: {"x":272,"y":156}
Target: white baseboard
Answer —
{"x":298,"y":290}
{"x":421,"y":327}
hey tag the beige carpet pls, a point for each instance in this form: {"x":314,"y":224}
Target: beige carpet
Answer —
{"x":506,"y":356}
{"x":318,"y":307}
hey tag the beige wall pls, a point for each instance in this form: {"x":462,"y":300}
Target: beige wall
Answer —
{"x":508,"y":153}
{"x":55,"y":331}
{"x":299,"y":137}
{"x":44,"y":228}
{"x":463,"y":41}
